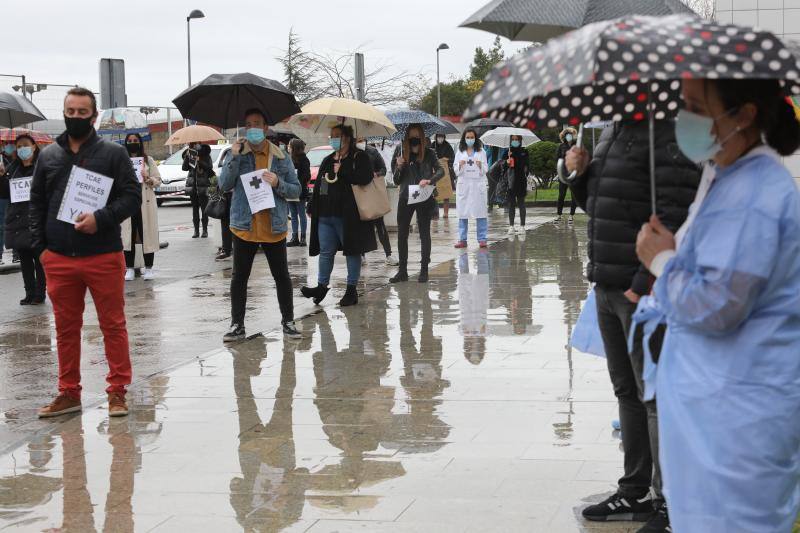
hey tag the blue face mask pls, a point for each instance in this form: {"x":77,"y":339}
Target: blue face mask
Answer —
{"x":568,"y":137}
{"x":336,"y":144}
{"x":255,"y":136}
{"x":515,"y":144}
{"x":470,"y":142}
{"x":694,"y":137}
{"x":25,"y":152}
{"x":9,"y":149}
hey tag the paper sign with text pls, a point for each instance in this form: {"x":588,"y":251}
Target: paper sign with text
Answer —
{"x":86,"y":192}
{"x":259,"y":192}
{"x":20,"y":189}
{"x":417,"y":194}
{"x":138,"y":163}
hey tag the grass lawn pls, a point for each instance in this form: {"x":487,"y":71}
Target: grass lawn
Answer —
{"x":547,"y":195}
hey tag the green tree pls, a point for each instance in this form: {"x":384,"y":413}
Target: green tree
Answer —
{"x":456,"y":97}
{"x":299,"y":74}
{"x":543,"y":162}
{"x":483,"y":61}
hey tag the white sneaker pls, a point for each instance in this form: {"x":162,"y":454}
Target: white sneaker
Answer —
{"x":130,"y":274}
{"x":511,"y":230}
{"x":521,"y":230}
{"x":571,"y":219}
{"x":392,"y":260}
{"x":148,"y":275}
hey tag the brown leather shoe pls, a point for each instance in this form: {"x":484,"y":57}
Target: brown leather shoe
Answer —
{"x":62,"y":405}
{"x":116,"y":404}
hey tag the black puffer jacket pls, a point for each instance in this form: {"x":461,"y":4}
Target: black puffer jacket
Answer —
{"x":615,"y":192}
{"x":412,"y":172}
{"x":17,"y":231}
{"x":50,"y":177}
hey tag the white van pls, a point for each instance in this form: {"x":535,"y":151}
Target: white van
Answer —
{"x":173,"y":177}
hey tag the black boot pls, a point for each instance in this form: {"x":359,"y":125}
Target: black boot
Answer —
{"x":205,"y":230}
{"x":350,"y":297}
{"x":196,"y":230}
{"x":423,"y":274}
{"x":303,"y":240}
{"x":401,"y":276}
{"x":318,"y":293}
{"x":294,"y":242}
{"x":28,"y":300}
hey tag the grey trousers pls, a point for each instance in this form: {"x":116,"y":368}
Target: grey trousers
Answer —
{"x":638,"y":419}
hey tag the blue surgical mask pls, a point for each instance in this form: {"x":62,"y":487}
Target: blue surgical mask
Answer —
{"x":568,"y":137}
{"x":694,"y":137}
{"x":470,"y":142}
{"x":515,"y":144}
{"x":9,"y":149}
{"x":255,"y":136}
{"x":336,"y":143}
{"x":25,"y":152}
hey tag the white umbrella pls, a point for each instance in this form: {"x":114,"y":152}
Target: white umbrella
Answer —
{"x":319,"y":116}
{"x":501,"y":137}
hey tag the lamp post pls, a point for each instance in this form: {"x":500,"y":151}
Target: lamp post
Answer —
{"x":195,"y":14}
{"x":442,"y":46}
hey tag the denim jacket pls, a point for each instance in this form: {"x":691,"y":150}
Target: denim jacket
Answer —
{"x":288,"y":187}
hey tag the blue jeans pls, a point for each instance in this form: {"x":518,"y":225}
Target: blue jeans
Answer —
{"x":463,"y":228}
{"x":298,"y":212}
{"x":3,"y":205}
{"x":331,"y":237}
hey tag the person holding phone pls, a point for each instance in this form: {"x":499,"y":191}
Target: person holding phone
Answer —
{"x":197,"y":161}
{"x":471,"y":167}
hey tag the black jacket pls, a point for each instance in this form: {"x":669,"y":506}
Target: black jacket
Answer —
{"x":519,"y":174}
{"x":199,"y":178}
{"x":303,"y":168}
{"x":615,"y":192}
{"x":375,"y":157}
{"x":47,"y":190}
{"x":17,"y":231}
{"x":359,"y":235}
{"x":413,"y":171}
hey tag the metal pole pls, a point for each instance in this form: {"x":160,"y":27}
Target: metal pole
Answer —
{"x":169,"y":127}
{"x":189,"y":48}
{"x":438,"y":88}
{"x":24,"y":87}
{"x":651,"y":115}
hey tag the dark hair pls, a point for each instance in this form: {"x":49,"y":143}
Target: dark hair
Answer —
{"x":298,"y":148}
{"x":256,"y":111}
{"x":82,"y":91}
{"x":347,"y":131}
{"x":462,"y":145}
{"x":32,"y":140}
{"x":775,"y":118}
{"x":141,"y":143}
{"x":423,"y":142}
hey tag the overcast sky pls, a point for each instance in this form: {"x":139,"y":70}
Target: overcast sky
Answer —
{"x":62,"y":43}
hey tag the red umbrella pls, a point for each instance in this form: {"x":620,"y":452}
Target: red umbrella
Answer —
{"x":8,"y":135}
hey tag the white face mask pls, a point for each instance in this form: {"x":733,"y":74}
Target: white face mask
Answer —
{"x":361,"y":146}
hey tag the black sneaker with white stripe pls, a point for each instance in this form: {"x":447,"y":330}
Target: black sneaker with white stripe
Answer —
{"x":618,"y":508}
{"x":659,"y":522}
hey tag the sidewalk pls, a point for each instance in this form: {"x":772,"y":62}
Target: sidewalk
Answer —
{"x":453,"y":406}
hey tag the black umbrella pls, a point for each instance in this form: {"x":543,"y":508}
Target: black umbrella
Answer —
{"x":629,"y":68}
{"x":482,"y":125}
{"x":540,"y":20}
{"x":222,"y":99}
{"x":16,"y":110}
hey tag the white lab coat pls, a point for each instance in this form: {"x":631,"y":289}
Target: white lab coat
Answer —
{"x":472,"y":187}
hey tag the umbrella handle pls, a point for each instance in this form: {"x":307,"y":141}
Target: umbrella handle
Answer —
{"x":561,"y":167}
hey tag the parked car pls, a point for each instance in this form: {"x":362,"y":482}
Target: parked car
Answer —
{"x":173,"y":177}
{"x":315,"y":157}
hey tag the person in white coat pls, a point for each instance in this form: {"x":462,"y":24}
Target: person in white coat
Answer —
{"x":142,"y":227}
{"x":470,"y":166}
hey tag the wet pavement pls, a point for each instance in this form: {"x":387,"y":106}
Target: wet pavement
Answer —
{"x":452,"y":406}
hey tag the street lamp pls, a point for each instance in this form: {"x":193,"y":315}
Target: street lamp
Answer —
{"x":195,"y":14}
{"x":442,"y":46}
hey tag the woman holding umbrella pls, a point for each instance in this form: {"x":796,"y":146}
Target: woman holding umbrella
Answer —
{"x":335,"y":220}
{"x":471,"y":190}
{"x":197,"y":161}
{"x":17,"y":221}
{"x":142,"y":227}
{"x":568,"y":136}
{"x":517,"y":163}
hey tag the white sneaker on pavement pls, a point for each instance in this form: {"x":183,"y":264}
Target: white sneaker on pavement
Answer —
{"x":392,"y":260}
{"x":521,"y":230}
{"x":130,"y":274}
{"x":148,"y":275}
{"x":511,"y":230}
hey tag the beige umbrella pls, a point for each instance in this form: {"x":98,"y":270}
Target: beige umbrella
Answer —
{"x":319,"y":116}
{"x":194,"y":134}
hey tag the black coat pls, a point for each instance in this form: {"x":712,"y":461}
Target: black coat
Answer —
{"x":375,"y":157}
{"x":303,"y":167}
{"x":359,"y":235}
{"x":17,"y":231}
{"x":413,"y":172}
{"x":519,"y":174}
{"x":615,"y":192}
{"x":47,"y":190}
{"x":199,"y":178}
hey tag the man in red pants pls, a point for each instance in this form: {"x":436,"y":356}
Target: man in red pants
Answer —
{"x":86,"y":254}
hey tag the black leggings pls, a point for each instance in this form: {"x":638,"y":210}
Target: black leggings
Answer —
{"x":137,"y":229}
{"x":562,"y":196}
{"x":244,"y":252}
{"x":199,"y":203}
{"x":404,"y":214}
{"x":32,"y":273}
{"x":516,"y":202}
{"x":383,"y":236}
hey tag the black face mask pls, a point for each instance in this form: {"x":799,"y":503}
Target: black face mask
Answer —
{"x":133,"y":148}
{"x":414,"y":141}
{"x":77,"y":127}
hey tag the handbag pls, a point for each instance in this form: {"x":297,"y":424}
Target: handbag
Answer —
{"x":217,"y":206}
{"x":372,"y":199}
{"x":444,"y":187}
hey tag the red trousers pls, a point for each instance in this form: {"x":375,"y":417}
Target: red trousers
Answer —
{"x":67,"y":281}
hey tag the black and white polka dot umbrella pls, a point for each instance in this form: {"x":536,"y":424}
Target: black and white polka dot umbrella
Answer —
{"x":610,"y":70}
